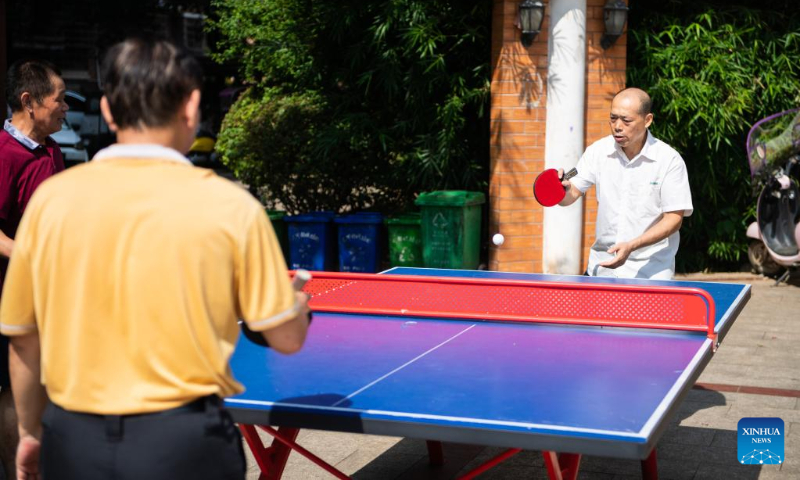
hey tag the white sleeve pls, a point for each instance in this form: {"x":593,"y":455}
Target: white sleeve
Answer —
{"x":587,"y":171}
{"x":675,"y":191}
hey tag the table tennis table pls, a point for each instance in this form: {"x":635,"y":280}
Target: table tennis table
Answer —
{"x":483,"y":376}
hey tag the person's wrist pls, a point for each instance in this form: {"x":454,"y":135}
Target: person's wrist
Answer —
{"x":34,"y":434}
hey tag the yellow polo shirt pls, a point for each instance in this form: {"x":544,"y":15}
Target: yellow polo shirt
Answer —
{"x":134,"y":270}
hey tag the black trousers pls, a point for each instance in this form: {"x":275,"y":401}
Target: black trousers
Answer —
{"x":197,"y":441}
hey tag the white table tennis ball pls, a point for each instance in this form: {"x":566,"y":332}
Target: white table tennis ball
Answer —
{"x":498,"y":239}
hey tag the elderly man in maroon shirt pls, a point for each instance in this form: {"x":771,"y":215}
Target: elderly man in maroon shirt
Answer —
{"x":28,"y":156}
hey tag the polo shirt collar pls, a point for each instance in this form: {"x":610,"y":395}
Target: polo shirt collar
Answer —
{"x":647,"y":152}
{"x":141,"y":150}
{"x":25,"y":140}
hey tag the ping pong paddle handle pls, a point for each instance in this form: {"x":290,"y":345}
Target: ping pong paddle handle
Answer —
{"x":301,"y":277}
{"x":569,"y":174}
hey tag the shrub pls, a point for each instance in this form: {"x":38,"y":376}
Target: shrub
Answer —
{"x":713,"y":69}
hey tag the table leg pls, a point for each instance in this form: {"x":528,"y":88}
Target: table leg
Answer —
{"x":271,"y":460}
{"x":286,"y":438}
{"x":435,"y":453}
{"x":562,"y":466}
{"x":491,"y":463}
{"x":650,"y":467}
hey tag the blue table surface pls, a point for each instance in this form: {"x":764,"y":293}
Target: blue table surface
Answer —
{"x":604,"y":383}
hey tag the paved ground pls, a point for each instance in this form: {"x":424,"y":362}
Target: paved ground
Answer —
{"x":760,"y":355}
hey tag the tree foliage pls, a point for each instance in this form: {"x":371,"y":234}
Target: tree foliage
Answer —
{"x":356,"y":103}
{"x":713,"y":69}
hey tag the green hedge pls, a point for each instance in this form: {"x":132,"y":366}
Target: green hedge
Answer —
{"x":383,"y":99}
{"x":713,"y":69}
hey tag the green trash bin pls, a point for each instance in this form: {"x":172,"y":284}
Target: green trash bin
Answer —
{"x":405,"y":240}
{"x":451,"y":228}
{"x":276,"y":217}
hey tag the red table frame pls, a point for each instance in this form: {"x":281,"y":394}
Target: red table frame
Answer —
{"x":272,"y":459}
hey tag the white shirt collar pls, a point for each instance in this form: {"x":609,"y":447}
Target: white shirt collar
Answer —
{"x":25,"y":140}
{"x":645,"y":152}
{"x":140,"y":150}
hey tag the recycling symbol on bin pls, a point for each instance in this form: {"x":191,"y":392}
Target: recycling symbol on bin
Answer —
{"x":439,"y":221}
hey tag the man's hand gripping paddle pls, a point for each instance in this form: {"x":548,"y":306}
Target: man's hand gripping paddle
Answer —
{"x":300,"y":278}
{"x":547,"y":188}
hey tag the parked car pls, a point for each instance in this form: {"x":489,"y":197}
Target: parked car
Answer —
{"x":73,"y":147}
{"x":77,"y":109}
{"x":84,"y":117}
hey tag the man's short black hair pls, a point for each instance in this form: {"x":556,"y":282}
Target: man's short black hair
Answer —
{"x":146,"y":81}
{"x":646,"y":106}
{"x":32,"y":76}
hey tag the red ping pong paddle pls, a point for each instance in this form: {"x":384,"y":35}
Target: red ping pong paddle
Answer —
{"x":547,"y":188}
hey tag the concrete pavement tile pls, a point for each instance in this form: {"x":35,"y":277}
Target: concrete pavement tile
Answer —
{"x":781,"y":334}
{"x":720,"y":368}
{"x":789,"y":371}
{"x":676,"y":469}
{"x":772,"y":474}
{"x":711,"y":397}
{"x":363,"y":466}
{"x":726,"y":440}
{"x":791,"y":467}
{"x":615,"y":466}
{"x":334,"y":447}
{"x":750,"y":381}
{"x":702,"y":454}
{"x":587,"y":475}
{"x":690,"y":410}
{"x":304,"y":470}
{"x":530,"y":460}
{"x":456,"y":457}
{"x":732,"y":340}
{"x":752,"y":334}
{"x":716,"y":423}
{"x":734,"y":471}
{"x":729,"y":354}
{"x":742,"y":400}
{"x":688,"y":435}
{"x":505,"y":472}
{"x":787,"y":415}
{"x":765,"y":324}
{"x":775,"y":359}
{"x":780,"y":319}
{"x":527,"y":458}
{"x":726,"y":349}
{"x":779,"y":345}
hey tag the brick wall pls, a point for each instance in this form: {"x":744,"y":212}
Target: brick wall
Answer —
{"x":518,"y":119}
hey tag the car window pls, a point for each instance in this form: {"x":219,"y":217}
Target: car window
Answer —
{"x":75,"y":101}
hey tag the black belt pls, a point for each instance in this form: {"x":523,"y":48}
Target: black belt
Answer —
{"x":199,"y":405}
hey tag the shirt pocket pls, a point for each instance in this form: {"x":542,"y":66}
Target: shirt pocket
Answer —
{"x":647,"y":199}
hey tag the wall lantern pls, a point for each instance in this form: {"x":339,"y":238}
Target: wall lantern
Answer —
{"x":615,"y":13}
{"x":531,"y":15}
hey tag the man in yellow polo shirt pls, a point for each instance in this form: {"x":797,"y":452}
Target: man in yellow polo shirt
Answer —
{"x":124,"y":288}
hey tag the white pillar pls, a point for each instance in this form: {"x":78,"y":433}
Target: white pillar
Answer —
{"x":566,"y":88}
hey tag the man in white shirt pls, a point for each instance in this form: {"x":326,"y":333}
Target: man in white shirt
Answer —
{"x":642,"y":194}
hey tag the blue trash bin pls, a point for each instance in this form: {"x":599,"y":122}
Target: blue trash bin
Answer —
{"x":359,"y":242}
{"x":312,"y":241}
